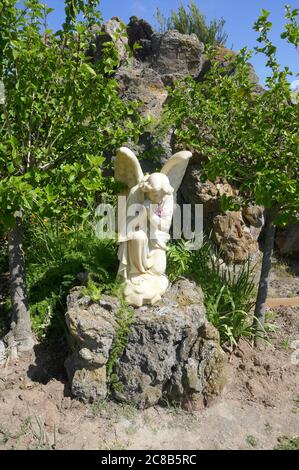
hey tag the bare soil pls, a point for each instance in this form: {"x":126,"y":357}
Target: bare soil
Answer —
{"x":259,"y":405}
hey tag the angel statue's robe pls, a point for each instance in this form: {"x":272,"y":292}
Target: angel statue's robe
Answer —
{"x":142,"y":248}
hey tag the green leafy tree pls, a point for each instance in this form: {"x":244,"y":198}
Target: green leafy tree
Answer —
{"x":249,"y":136}
{"x":60,"y":114}
{"x":190,"y":19}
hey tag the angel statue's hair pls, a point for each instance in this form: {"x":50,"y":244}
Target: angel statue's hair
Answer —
{"x":156,"y":182}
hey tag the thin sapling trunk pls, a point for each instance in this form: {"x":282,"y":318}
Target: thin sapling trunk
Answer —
{"x":20,"y":337}
{"x":260,"y":306}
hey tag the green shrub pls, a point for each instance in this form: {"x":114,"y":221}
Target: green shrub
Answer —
{"x":191,"y":20}
{"x":288,"y":443}
{"x":55,"y":255}
{"x":179,"y":259}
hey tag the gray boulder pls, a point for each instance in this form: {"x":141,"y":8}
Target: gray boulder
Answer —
{"x":176,"y":55}
{"x":114,"y":31}
{"x":172,"y":352}
{"x":140,"y":31}
{"x":144,"y":85}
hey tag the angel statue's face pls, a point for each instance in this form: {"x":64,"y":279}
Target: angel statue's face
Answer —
{"x":156,"y":196}
{"x":158,"y":187}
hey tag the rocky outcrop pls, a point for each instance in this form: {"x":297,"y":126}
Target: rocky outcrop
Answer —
{"x":233,"y":237}
{"x":144,"y":85}
{"x":140,"y":32}
{"x":176,"y":55}
{"x":172,"y":54}
{"x":111,"y":31}
{"x":235,"y":233}
{"x":172,"y":351}
{"x":158,"y":60}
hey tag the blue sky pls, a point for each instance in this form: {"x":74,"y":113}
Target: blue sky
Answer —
{"x":239,"y":16}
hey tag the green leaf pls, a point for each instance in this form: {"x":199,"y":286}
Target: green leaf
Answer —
{"x":87,"y":69}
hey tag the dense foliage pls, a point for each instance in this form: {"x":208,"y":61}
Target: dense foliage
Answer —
{"x":190,"y":20}
{"x":261,"y":154}
{"x":61,"y":112}
{"x":248,"y":135}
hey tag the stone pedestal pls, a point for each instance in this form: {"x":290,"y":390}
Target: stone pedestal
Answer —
{"x":172,"y":351}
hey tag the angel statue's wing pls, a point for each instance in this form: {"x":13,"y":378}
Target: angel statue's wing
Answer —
{"x":127,"y":168}
{"x":175,"y":168}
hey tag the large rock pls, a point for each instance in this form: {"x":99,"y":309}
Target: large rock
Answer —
{"x":234,"y":238}
{"x":114,"y":31}
{"x":172,"y":351}
{"x":144,"y":85}
{"x":140,"y":31}
{"x":176,"y":55}
{"x":207,"y":193}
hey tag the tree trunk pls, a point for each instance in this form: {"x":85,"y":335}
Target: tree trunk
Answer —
{"x":20,"y":337}
{"x":260,"y":306}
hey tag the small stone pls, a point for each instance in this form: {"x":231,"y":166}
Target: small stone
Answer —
{"x":194,"y":403}
{"x":27,"y":385}
{"x":249,"y":387}
{"x":2,"y":353}
{"x":63,"y":429}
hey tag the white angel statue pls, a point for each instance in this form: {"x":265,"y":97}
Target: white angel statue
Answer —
{"x":145,"y":230}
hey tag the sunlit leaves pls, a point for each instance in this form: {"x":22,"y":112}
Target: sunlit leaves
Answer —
{"x":61,"y":113}
{"x":247,"y":135}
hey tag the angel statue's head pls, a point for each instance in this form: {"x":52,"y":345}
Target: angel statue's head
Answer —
{"x":157,"y":186}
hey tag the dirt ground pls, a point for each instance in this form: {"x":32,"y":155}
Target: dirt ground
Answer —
{"x":259,"y":405}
